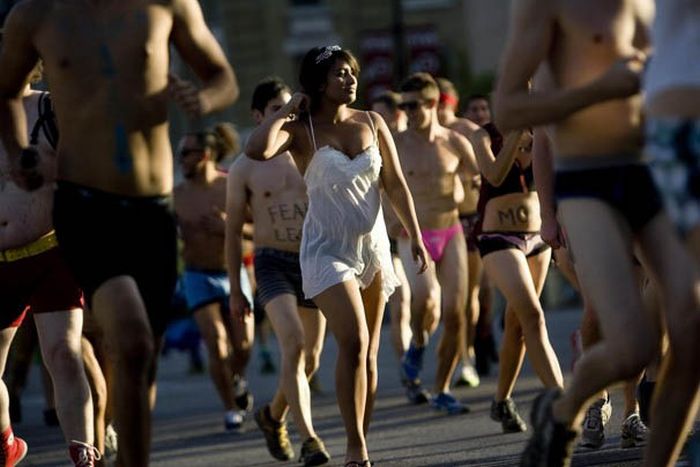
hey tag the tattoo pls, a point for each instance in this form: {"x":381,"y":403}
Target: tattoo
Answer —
{"x":288,"y":234}
{"x":286,"y":212}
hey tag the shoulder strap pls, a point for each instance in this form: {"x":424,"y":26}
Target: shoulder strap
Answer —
{"x":371,"y":125}
{"x":313,"y":136}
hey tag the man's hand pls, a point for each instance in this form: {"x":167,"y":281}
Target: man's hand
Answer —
{"x":187,"y":96}
{"x":25,"y":173}
{"x":623,"y":78}
{"x":420,"y":255}
{"x":240,"y":308}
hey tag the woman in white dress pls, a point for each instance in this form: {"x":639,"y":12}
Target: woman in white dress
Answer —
{"x":346,"y":155}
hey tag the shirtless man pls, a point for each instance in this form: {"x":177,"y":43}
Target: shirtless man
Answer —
{"x":449,"y":101}
{"x":112,"y":211}
{"x":607,"y":202}
{"x":199,"y":203}
{"x":387,"y":105}
{"x":432,"y":156}
{"x":35,"y":278}
{"x":275,"y":194}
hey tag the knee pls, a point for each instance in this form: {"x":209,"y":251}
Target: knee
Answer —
{"x":684,"y":340}
{"x":218,"y":347}
{"x":454,"y":322}
{"x":63,"y":360}
{"x":137,"y":352}
{"x":293,"y":350}
{"x":354,"y":348}
{"x":531,"y":321}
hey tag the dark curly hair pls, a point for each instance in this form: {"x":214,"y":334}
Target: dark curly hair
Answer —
{"x":315,"y":67}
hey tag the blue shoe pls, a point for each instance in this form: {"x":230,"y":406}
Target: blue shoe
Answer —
{"x":412,"y":363}
{"x":449,"y":404}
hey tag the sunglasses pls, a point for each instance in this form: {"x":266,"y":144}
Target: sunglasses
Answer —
{"x":187,"y":151}
{"x":410,"y":105}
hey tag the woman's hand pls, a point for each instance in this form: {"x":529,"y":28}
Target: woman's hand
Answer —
{"x":297,"y":104}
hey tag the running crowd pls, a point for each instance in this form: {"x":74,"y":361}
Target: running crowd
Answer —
{"x":591,"y":162}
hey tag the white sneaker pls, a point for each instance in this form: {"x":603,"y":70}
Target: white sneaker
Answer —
{"x":634,"y":432}
{"x":111,"y":443}
{"x":597,"y":416}
{"x":468,"y":376}
{"x":233,"y":420}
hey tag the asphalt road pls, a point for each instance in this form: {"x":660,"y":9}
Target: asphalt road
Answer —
{"x":188,"y":426}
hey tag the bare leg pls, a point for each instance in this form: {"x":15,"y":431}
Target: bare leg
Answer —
{"x":211,"y":325}
{"x":400,"y":312}
{"x":453,"y":276}
{"x":121,"y":314}
{"x":475,"y":268}
{"x":601,"y":249}
{"x":374,"y":304}
{"x":521,"y":281}
{"x":98,"y":389}
{"x":342,"y":306}
{"x":511,"y":357}
{"x":6,"y":336}
{"x":293,"y":385}
{"x":314,"y":324}
{"x":60,"y":341}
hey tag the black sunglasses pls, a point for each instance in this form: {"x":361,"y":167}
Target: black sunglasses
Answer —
{"x":410,"y":105}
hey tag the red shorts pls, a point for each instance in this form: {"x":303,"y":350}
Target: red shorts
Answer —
{"x":40,"y":284}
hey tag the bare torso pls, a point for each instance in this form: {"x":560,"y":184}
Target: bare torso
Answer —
{"x":26,"y":216}
{"x":108,"y":69}
{"x":277,"y":199}
{"x":199,"y":209}
{"x":589,"y":36}
{"x":430,"y":168}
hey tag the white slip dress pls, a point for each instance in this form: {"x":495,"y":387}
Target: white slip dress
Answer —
{"x":344,"y":235}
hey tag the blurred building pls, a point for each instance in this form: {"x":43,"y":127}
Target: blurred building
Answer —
{"x":458,"y":39}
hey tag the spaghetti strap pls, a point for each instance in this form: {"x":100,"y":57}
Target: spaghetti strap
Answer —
{"x":313,"y":136}
{"x":374,"y":130}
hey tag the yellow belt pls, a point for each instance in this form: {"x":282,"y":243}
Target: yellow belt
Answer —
{"x":44,"y":243}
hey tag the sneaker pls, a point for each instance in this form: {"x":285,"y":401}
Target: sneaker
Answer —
{"x":551,"y":443}
{"x":111,"y":443}
{"x":313,"y":452}
{"x":83,"y":454}
{"x":449,"y":404}
{"x":244,"y":398}
{"x":597,"y":416}
{"x":468,"y":376}
{"x":634,"y":432}
{"x":13,"y":451}
{"x":416,"y":394}
{"x":412,"y":362}
{"x":233,"y":420}
{"x":276,"y":435}
{"x":506,"y":412}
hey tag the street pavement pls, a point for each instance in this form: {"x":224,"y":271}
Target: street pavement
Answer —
{"x":188,"y":420}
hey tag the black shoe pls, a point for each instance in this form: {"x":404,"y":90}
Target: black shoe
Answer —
{"x":244,"y":398}
{"x":276,"y":435}
{"x":313,"y":452}
{"x":416,"y":394}
{"x":552,"y":443}
{"x":507,"y":413}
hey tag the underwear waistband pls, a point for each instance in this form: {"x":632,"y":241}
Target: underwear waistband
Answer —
{"x":38,"y":246}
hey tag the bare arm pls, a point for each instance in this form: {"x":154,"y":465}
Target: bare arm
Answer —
{"x":397,"y":190}
{"x":468,"y":167}
{"x":532,"y":26}
{"x":17,"y":59}
{"x":543,"y":170}
{"x":200,"y":50}
{"x":495,"y":169}
{"x":274,"y":136}
{"x":236,"y":206}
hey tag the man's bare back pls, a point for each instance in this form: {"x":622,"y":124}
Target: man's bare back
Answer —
{"x":108,"y":63}
{"x":577,"y":42}
{"x":200,"y":214}
{"x":277,"y":198}
{"x":26,"y":216}
{"x":431,"y":169}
